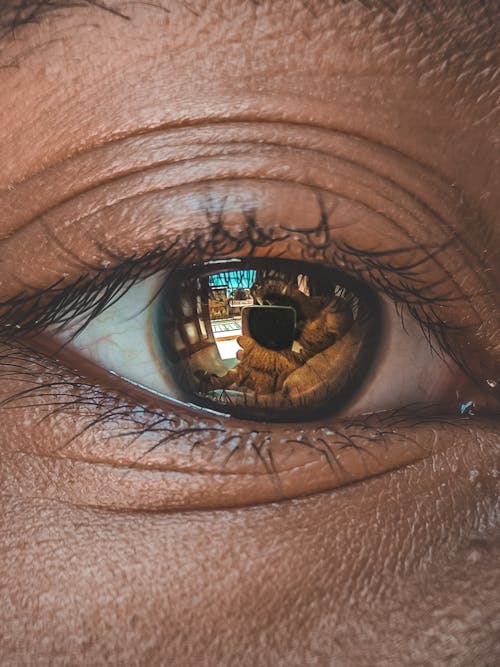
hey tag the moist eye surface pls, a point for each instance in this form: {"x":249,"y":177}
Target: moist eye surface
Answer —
{"x":265,"y":338}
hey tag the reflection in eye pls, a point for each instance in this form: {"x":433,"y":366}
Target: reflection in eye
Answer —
{"x":274,"y":337}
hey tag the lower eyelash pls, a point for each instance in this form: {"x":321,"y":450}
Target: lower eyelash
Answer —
{"x":56,"y":392}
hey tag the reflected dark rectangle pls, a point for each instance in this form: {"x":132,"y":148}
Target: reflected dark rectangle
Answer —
{"x":272,"y":327}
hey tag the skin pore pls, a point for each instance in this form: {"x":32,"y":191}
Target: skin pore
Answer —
{"x":119,"y":131}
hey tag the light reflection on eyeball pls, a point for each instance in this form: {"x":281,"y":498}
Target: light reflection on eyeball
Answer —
{"x":263,"y":339}
{"x":269,"y":338}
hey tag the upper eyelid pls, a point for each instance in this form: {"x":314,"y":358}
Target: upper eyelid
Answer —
{"x":135,"y":268}
{"x":443,"y":209}
{"x":410,"y":290}
{"x":446,"y":207}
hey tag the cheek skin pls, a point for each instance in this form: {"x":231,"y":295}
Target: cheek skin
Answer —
{"x":195,"y":588}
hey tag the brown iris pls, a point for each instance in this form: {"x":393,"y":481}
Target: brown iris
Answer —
{"x":266,"y":338}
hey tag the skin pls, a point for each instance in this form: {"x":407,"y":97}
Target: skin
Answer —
{"x":400,"y":565}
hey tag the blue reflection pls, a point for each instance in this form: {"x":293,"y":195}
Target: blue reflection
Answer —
{"x":233,"y":279}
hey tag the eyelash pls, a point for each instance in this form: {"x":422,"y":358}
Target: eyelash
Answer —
{"x":98,"y":288}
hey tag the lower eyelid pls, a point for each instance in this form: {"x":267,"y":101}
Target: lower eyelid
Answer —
{"x":89,"y":480}
{"x":90,"y":448}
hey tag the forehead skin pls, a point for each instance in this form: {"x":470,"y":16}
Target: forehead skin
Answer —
{"x":306,"y":66}
{"x":399,"y":570}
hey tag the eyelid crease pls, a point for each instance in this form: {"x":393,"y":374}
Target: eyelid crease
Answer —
{"x":208,"y":138}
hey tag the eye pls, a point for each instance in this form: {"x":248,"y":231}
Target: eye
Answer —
{"x":261,"y":339}
{"x":145,"y":344}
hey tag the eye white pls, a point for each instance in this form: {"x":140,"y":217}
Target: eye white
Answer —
{"x":122,"y":341}
{"x":407,"y":370}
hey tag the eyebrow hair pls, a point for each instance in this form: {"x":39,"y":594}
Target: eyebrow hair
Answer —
{"x":15,"y":14}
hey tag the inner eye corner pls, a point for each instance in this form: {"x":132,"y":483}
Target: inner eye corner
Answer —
{"x":266,"y":339}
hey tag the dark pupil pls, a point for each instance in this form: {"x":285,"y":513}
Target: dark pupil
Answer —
{"x":296,"y":324}
{"x":273,"y":327}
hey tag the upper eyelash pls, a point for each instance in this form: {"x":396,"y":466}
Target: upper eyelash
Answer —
{"x":99,"y":287}
{"x":87,"y":297}
{"x":419,"y":302}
